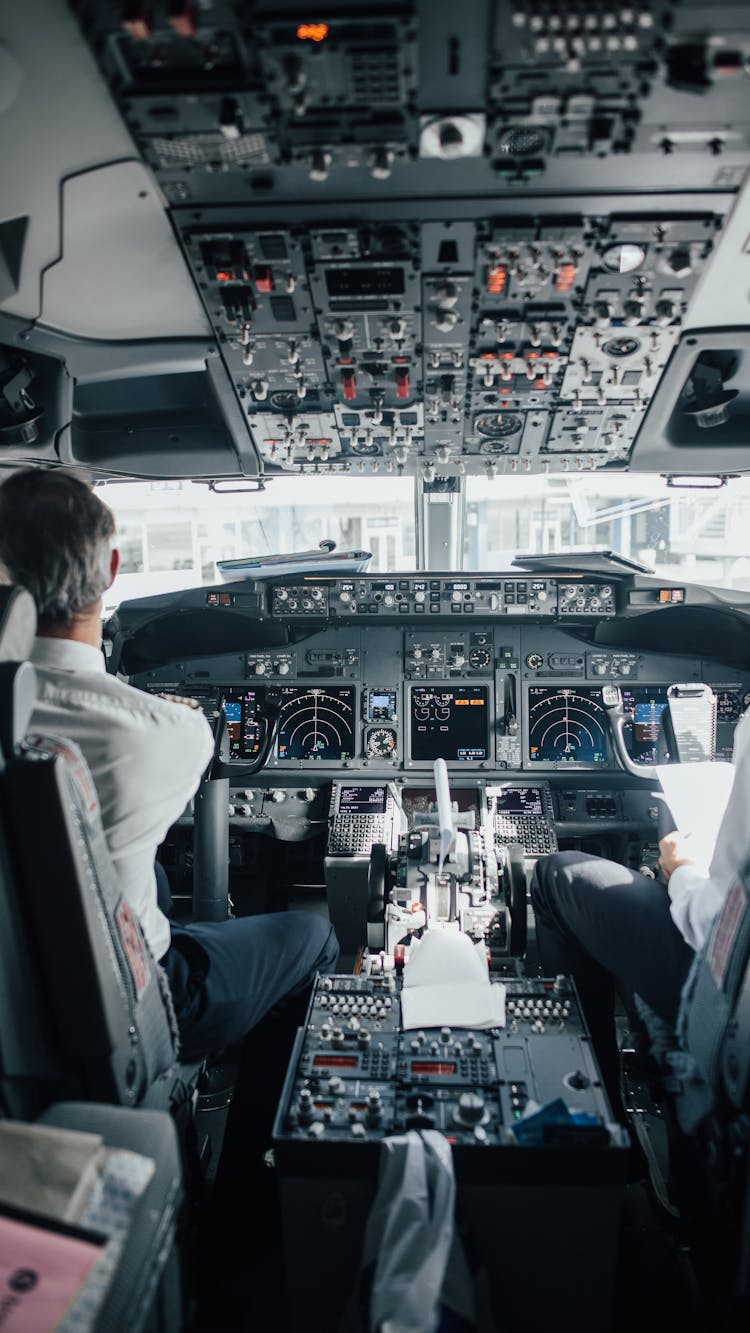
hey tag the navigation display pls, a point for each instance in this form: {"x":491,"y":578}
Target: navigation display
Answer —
{"x":643,"y":706}
{"x":244,"y":728}
{"x":520,"y":801}
{"x":450,"y":724}
{"x":316,"y":723}
{"x":566,"y":726}
{"x":362,"y":801}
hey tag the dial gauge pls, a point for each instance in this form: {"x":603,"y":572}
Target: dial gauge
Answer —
{"x":624,"y":257}
{"x":498,"y":425}
{"x":727,"y":705}
{"x":381,"y":742}
{"x":479,"y":658}
{"x":566,"y":726}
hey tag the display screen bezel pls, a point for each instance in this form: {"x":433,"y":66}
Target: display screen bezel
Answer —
{"x":305,"y":687}
{"x":634,"y":689}
{"x":366,"y":809}
{"x":514,"y":789}
{"x":563,"y":765}
{"x":457,"y":765}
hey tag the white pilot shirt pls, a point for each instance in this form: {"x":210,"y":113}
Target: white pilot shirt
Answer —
{"x":146,"y":756}
{"x":696,"y":899}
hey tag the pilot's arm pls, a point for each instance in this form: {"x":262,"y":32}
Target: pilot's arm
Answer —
{"x":158,"y":753}
{"x":695,"y":898}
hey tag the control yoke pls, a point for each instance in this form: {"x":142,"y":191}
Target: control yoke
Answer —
{"x":612,"y":699}
{"x":269,"y":711}
{"x":689,"y":721}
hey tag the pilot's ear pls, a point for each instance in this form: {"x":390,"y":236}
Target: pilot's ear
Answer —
{"x":114,"y":565}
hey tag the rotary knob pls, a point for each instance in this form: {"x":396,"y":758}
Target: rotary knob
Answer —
{"x":470,"y":1109}
{"x":374,"y":1108}
{"x":305,"y":1109}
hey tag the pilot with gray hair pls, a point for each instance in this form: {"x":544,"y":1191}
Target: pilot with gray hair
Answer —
{"x":146,"y":755}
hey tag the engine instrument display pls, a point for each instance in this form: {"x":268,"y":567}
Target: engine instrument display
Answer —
{"x":566,"y":726}
{"x":316,"y":723}
{"x":244,"y":728}
{"x":643,"y":706}
{"x":450,"y":724}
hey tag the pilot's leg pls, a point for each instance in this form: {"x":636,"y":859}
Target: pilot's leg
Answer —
{"x":601,"y":922}
{"x":225,"y":976}
{"x":246,"y":980}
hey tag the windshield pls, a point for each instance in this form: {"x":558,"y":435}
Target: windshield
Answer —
{"x":696,"y":535}
{"x":172,"y":533}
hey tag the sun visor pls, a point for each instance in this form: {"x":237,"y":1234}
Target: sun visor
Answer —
{"x":139,"y":409}
{"x":698,"y":422}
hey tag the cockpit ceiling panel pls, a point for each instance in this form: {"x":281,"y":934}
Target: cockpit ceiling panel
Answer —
{"x":433,"y":247}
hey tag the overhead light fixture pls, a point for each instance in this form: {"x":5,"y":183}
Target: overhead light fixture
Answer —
{"x":697,"y":483}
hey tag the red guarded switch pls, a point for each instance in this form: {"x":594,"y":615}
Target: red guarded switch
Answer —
{"x":263,"y":276}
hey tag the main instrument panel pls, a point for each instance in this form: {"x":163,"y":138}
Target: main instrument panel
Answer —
{"x":473,"y":686}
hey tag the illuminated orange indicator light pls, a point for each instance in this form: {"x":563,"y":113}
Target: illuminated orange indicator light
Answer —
{"x":312,"y":32}
{"x":565,"y":276}
{"x":496,"y":280}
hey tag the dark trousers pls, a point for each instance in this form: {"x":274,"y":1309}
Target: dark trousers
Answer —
{"x":225,"y":975}
{"x":244,"y":981}
{"x":247,"y":981}
{"x":604,"y":924}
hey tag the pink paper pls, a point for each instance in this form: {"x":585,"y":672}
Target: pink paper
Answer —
{"x":41,"y":1272}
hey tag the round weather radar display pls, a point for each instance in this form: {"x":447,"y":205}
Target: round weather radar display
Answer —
{"x":567,"y":726}
{"x":317,"y":723}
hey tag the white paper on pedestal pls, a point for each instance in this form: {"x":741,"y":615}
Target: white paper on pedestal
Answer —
{"x":447,"y":984}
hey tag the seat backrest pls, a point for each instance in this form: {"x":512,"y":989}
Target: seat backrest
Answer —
{"x":714,"y":1013}
{"x":85,"y":1011}
{"x":108,"y":998}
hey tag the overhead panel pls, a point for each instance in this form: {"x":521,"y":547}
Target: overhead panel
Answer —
{"x":440,"y":242}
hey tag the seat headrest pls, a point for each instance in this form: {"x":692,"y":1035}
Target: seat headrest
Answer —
{"x":17,"y":624}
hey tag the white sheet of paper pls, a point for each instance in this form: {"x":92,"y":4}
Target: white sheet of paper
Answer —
{"x":447,"y":984}
{"x":476,"y":1005}
{"x":697,"y":796}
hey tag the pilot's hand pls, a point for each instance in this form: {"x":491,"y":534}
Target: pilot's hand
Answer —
{"x":674,"y":851}
{"x":180,"y":699}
